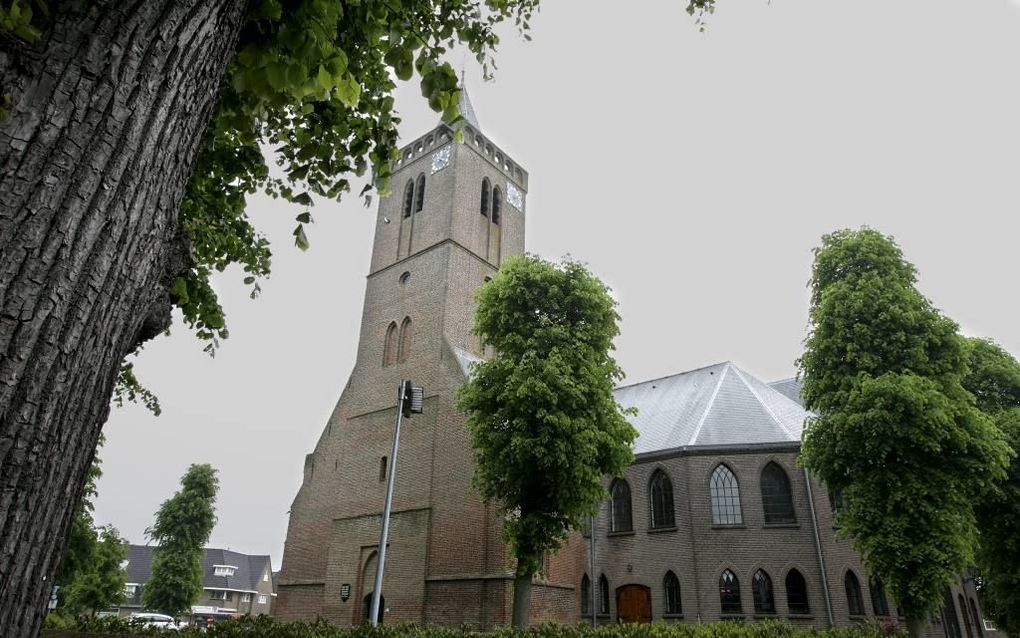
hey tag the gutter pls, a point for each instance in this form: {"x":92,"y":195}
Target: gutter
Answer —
{"x":818,"y":548}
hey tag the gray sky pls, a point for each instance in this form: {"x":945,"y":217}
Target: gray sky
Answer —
{"x":693,"y":172}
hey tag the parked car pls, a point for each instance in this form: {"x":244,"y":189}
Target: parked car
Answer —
{"x":146,"y":619}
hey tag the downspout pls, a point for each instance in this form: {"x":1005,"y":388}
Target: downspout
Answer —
{"x":818,"y":548}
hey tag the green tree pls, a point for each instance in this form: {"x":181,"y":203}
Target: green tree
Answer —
{"x":994,"y":380}
{"x":895,"y":431}
{"x":100,"y":584}
{"x":182,"y":528}
{"x":83,"y":538}
{"x":131,"y":135}
{"x":544,"y":424}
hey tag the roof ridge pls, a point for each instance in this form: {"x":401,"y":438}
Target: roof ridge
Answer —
{"x":740,"y":373}
{"x":675,"y":374}
{"x":711,"y":402}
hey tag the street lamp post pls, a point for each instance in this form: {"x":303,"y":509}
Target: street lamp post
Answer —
{"x":410,"y":400}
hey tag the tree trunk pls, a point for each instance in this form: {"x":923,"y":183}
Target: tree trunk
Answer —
{"x":108,"y":111}
{"x":522,"y":598}
{"x":915,"y":627}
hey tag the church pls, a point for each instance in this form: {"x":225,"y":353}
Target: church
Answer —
{"x":713,"y":520}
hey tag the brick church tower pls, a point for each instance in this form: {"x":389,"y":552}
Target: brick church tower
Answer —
{"x":457,"y":210}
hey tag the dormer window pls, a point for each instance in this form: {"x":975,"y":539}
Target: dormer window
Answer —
{"x":224,"y":570}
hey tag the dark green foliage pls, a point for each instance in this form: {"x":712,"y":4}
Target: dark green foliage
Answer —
{"x":100,"y":584}
{"x":895,"y":432}
{"x":994,"y":379}
{"x":182,"y":528}
{"x":544,"y":424}
{"x":265,"y":627}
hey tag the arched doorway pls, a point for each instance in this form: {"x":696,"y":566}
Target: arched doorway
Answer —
{"x":366,"y":608}
{"x":634,"y":603}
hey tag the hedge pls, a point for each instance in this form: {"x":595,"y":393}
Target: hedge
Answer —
{"x":265,"y":627}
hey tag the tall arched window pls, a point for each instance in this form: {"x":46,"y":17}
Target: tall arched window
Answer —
{"x":776,"y":496}
{"x":671,"y":593}
{"x":585,"y":595}
{"x":729,"y":593}
{"x":408,"y":198}
{"x":497,"y":204}
{"x":879,"y":602}
{"x":404,"y":347}
{"x":796,"y":593}
{"x":976,"y":617}
{"x":486,"y":191}
{"x":965,"y":615}
{"x":660,"y":493}
{"x":390,"y":345}
{"x":603,"y":594}
{"x":419,"y":200}
{"x":949,"y":612}
{"x":854,"y":602}
{"x":725,"y":493}
{"x":761,"y":588}
{"x":619,"y":507}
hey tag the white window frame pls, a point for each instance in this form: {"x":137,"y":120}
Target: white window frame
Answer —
{"x":224,"y":570}
{"x":130,"y":589}
{"x":263,"y":599}
{"x":246,"y":597}
{"x":217,"y":594}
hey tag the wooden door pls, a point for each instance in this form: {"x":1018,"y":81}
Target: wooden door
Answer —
{"x":634,"y":603}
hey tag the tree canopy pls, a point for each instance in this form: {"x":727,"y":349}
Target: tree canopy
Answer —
{"x":994,"y":380}
{"x":545,"y":426}
{"x":182,"y":528}
{"x":896,"y":432}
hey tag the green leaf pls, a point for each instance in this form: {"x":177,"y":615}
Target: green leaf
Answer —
{"x":300,"y":239}
{"x":325,"y":79}
{"x":349,"y":91}
{"x":305,"y":217}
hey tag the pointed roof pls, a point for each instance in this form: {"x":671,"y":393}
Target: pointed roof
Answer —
{"x":716,"y":405}
{"x":466,"y":110}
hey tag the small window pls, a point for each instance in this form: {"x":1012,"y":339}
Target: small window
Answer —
{"x":130,"y":589}
{"x":585,"y":595}
{"x":428,"y":141}
{"x":761,"y":587}
{"x":408,"y":198}
{"x":390,"y":345}
{"x":499,"y":159}
{"x":404,"y":347}
{"x":620,"y":518}
{"x":265,"y":577}
{"x":218,"y":595}
{"x":483,"y":207}
{"x":725,"y":492}
{"x":224,"y":570}
{"x":729,"y":593}
{"x":486,"y":279}
{"x":879,"y":602}
{"x":497,"y":204}
{"x":671,"y":594}
{"x":418,"y":149}
{"x":263,"y":599}
{"x":246,"y":597}
{"x":419,"y":200}
{"x":776,"y":495}
{"x":488,"y":150}
{"x":405,"y":277}
{"x":382,"y":469}
{"x":603,"y":594}
{"x":796,"y":593}
{"x":854,"y":602}
{"x":478,"y":140}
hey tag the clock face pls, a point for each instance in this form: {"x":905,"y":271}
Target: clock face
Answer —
{"x":514,"y":197}
{"x":441,"y":159}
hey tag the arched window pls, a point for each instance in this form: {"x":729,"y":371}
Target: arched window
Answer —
{"x":761,"y":588}
{"x":729,"y":593}
{"x":660,"y":493}
{"x":965,"y":615}
{"x":404,"y":348}
{"x":408,"y":198}
{"x":419,"y":200}
{"x":484,"y":208}
{"x":497,"y":204}
{"x":854,"y":602}
{"x":949,"y":612}
{"x":976,"y":617}
{"x":405,"y":277}
{"x":603,"y":594}
{"x":796,"y":593}
{"x":671,"y":593}
{"x":620,"y":519}
{"x":725,"y":493}
{"x":776,"y":496}
{"x":390,"y":345}
{"x":879,"y":603}
{"x":585,"y":595}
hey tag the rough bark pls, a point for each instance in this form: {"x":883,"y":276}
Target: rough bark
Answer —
{"x":521,"y":615}
{"x":107,"y":114}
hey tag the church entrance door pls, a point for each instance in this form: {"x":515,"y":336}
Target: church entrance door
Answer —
{"x":634,"y":603}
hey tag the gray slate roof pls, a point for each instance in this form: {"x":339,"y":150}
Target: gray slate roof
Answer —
{"x":790,"y":388}
{"x":716,"y":405}
{"x":466,"y":109}
{"x":246,"y":577}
